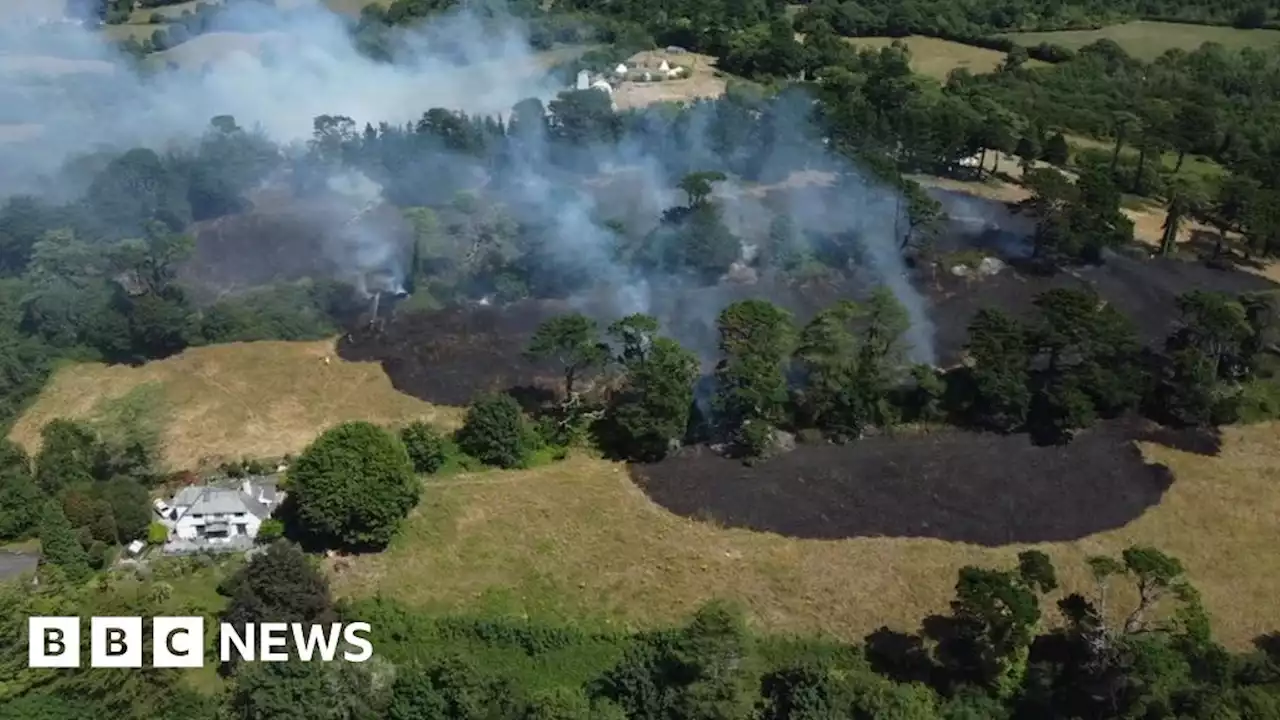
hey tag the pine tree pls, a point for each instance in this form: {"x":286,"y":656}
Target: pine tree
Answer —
{"x":59,"y":546}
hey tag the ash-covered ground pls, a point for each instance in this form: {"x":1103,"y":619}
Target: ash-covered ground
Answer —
{"x":984,"y":489}
{"x":948,"y":484}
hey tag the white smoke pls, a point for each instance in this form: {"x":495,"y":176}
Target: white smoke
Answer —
{"x":73,"y":85}
{"x":65,"y":91}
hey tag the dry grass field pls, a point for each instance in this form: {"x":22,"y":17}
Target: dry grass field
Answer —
{"x":935,"y":58}
{"x":1148,"y":40}
{"x":578,"y":539}
{"x":261,"y":399}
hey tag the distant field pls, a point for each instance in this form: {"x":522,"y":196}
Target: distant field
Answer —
{"x":936,"y":58}
{"x":261,"y":399}
{"x":1149,"y":40}
{"x":214,"y":46}
{"x":579,"y":540}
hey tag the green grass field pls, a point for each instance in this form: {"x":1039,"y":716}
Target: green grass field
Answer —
{"x":935,"y":58}
{"x":1149,"y":40}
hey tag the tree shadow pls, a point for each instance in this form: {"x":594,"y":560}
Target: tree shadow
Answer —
{"x":532,"y":398}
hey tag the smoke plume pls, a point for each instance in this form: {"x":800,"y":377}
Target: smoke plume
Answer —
{"x":66,"y":92}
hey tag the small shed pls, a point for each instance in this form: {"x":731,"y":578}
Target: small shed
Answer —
{"x":135,"y":547}
{"x":620,"y":70}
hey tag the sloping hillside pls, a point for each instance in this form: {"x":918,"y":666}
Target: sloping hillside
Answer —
{"x":259,"y":399}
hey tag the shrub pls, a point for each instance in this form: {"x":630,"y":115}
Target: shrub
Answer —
{"x":257,"y":467}
{"x":352,"y":487}
{"x":157,"y":534}
{"x":495,"y":432}
{"x":428,"y":449}
{"x":270,"y":531}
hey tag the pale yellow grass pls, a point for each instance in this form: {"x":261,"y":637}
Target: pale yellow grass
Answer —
{"x":936,"y":58}
{"x":263,"y":399}
{"x":142,"y":16}
{"x":578,"y":539}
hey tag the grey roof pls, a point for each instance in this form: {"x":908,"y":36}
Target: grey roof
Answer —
{"x":218,"y":500}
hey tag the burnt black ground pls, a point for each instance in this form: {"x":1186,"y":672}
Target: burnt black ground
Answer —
{"x":949,"y":485}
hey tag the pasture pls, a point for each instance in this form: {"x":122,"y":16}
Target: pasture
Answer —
{"x":579,"y":539}
{"x":1148,"y":40}
{"x":263,"y":399}
{"x":935,"y":58}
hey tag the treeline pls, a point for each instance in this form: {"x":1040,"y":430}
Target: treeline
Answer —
{"x":844,"y":373}
{"x":85,"y":493}
{"x":1138,"y":644}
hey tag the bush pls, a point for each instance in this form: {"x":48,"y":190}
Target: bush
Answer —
{"x":495,"y":433}
{"x":352,"y":487}
{"x":157,"y":534}
{"x":428,"y":449}
{"x":270,"y":531}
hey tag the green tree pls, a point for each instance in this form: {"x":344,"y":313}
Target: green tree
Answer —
{"x":571,"y":340}
{"x":1091,"y":353}
{"x":996,"y":613}
{"x":755,"y":339}
{"x":294,"y":689}
{"x":455,"y":689}
{"x":59,"y":546}
{"x":68,"y":455}
{"x":1183,"y":203}
{"x":999,"y":367}
{"x":279,"y":585}
{"x":651,"y":411}
{"x":1123,"y":124}
{"x":352,"y":487}
{"x":1028,"y":152}
{"x":428,"y":448}
{"x":1056,"y":150}
{"x":927,"y":389}
{"x":495,"y":432}
{"x":701,"y":672}
{"x":130,"y":507}
{"x":20,"y":497}
{"x":1217,"y":326}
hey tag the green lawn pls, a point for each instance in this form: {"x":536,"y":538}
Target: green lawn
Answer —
{"x":1199,"y":169}
{"x":1149,"y":40}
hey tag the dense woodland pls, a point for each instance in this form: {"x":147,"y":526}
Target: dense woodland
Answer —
{"x":99,"y":277}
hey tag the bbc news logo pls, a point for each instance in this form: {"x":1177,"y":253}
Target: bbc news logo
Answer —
{"x":178,"y":642}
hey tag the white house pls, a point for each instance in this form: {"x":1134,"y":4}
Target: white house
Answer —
{"x":216,"y":517}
